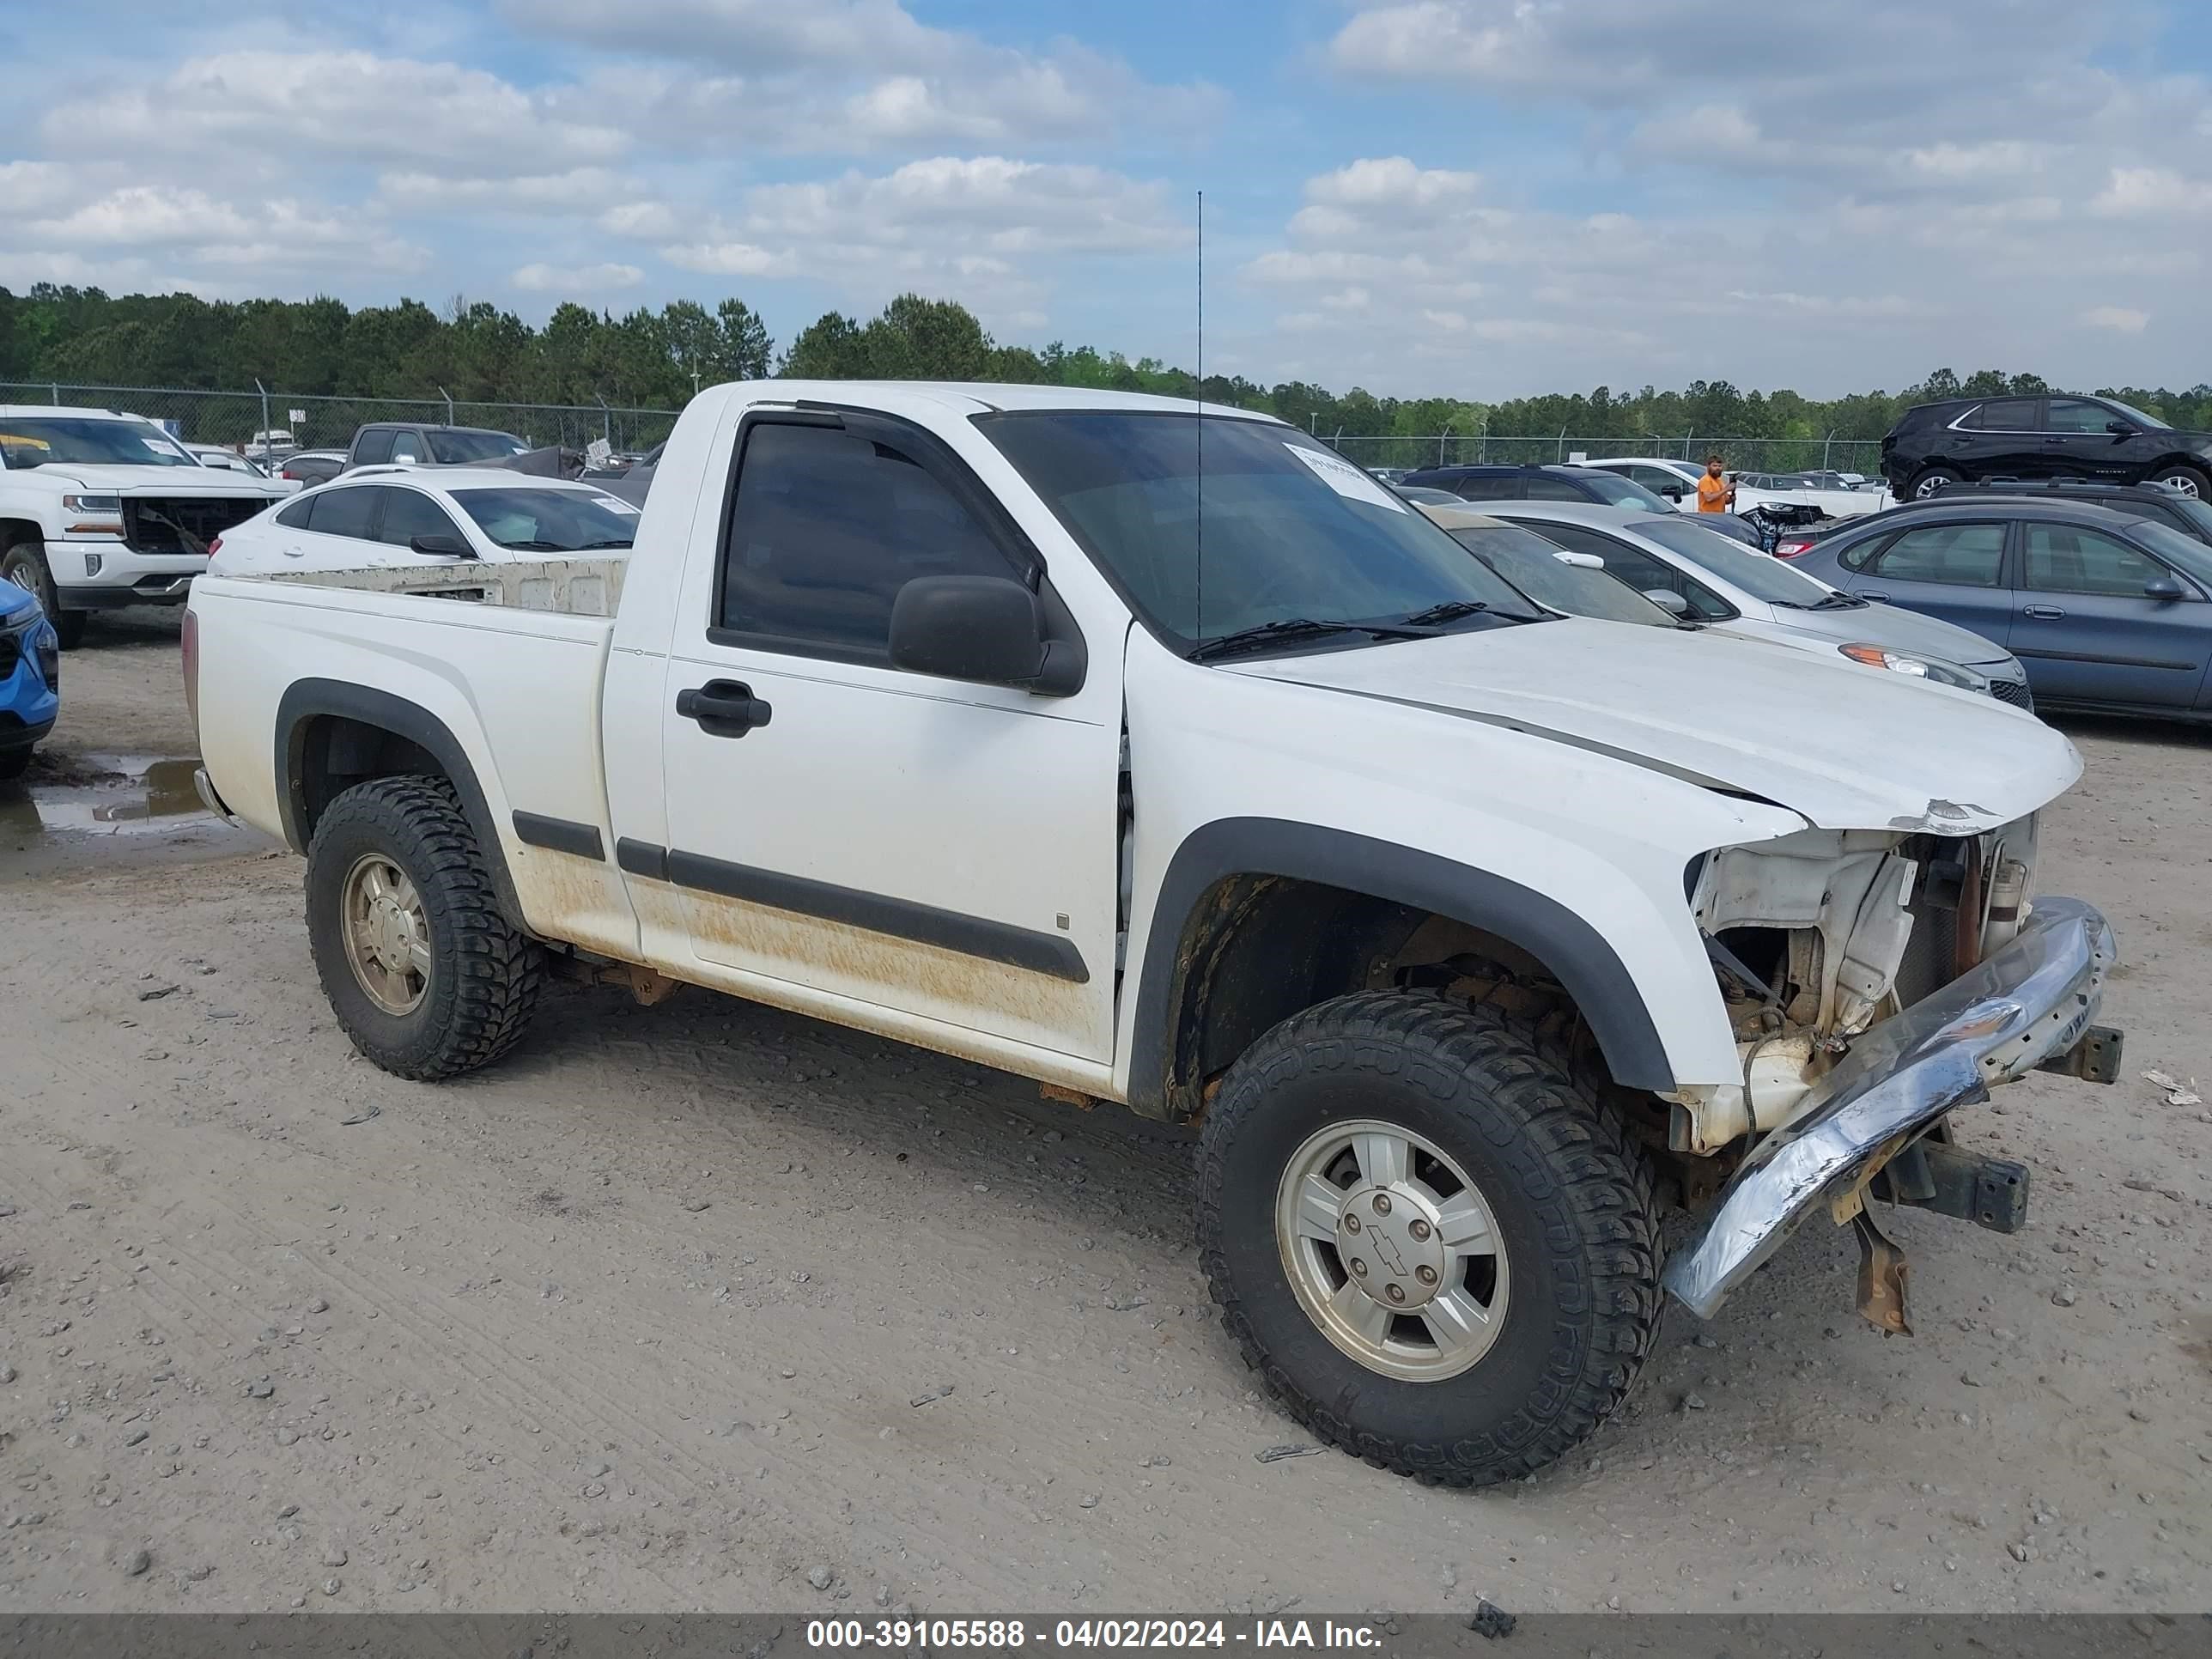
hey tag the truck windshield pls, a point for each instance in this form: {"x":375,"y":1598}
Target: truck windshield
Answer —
{"x":453,"y":447}
{"x":31,"y":442}
{"x":1213,"y":525}
{"x":551,"y":520}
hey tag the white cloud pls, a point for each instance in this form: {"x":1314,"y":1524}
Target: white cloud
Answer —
{"x":729,"y":259}
{"x":575,"y":191}
{"x":1394,"y":183}
{"x":990,"y":202}
{"x":33,"y":186}
{"x":354,"y":106}
{"x":2118,"y":318}
{"x":2152,"y":192}
{"x":576,"y":279}
{"x":193,"y":226}
{"x":850,"y":77}
{"x":641,"y":218}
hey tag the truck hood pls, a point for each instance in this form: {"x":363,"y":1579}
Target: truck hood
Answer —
{"x":148,"y":481}
{"x":1896,"y":629}
{"x":1845,"y":747}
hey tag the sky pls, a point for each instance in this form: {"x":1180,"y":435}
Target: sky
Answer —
{"x":1467,"y":199}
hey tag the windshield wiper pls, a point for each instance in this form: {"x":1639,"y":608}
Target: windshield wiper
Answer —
{"x":1293,"y":628}
{"x":1449,"y":610}
{"x":1840,"y":601}
{"x":538,"y":547}
{"x":592,"y":546}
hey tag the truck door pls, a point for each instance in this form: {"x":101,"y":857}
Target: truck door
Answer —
{"x":946,"y":849}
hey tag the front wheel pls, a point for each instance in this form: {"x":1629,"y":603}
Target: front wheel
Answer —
{"x":24,"y":563}
{"x":2190,"y":481}
{"x":1933,"y":480}
{"x":423,"y":968}
{"x":14,"y":762}
{"x":1439,"y":1250}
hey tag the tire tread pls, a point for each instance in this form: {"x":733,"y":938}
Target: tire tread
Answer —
{"x":500,"y":968}
{"x":1564,"y":1139}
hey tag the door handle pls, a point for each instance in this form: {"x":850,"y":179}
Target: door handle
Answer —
{"x":2047,"y":612}
{"x":724,"y":708}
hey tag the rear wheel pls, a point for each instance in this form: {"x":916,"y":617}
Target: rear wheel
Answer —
{"x":2191,"y":480}
{"x":1931,"y":479}
{"x":1439,"y":1250}
{"x":424,"y":971}
{"x":24,"y":563}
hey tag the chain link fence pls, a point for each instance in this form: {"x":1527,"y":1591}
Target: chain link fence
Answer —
{"x":237,"y":420}
{"x":1740,"y":454}
{"x":233,"y":419}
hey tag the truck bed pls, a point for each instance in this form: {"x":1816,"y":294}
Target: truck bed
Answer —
{"x":510,"y":659}
{"x":568,"y":587}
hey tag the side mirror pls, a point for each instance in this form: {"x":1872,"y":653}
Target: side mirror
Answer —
{"x":440,"y":546}
{"x":1673,"y":492}
{"x":1580,"y":560}
{"x":1668,"y":601}
{"x":985,"y":629}
{"x":2120,"y":428}
{"x":2165,"y":589}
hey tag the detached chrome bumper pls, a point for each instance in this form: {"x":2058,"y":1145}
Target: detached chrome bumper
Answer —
{"x":2030,"y":1001}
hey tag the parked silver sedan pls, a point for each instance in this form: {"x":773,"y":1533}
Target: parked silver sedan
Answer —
{"x":1709,"y":579}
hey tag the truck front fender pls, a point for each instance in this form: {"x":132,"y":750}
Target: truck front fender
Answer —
{"x":1574,"y":952}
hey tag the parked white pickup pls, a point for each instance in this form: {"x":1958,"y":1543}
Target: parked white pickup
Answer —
{"x":1163,"y":756}
{"x":99,"y":509}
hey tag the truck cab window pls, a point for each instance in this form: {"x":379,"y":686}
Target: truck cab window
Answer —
{"x":827,"y":526}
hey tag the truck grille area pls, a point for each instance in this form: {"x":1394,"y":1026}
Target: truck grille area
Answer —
{"x":181,"y":524}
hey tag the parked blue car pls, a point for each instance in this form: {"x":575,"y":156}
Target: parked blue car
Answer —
{"x":2105,"y":610}
{"x":30,"y":677}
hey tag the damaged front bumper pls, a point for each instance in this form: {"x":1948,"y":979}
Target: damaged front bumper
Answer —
{"x":2031,"y":999}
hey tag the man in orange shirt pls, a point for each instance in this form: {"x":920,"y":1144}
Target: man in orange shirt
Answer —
{"x":1715,"y":492}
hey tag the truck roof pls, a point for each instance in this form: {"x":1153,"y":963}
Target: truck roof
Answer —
{"x":970,"y":397}
{"x":65,"y":411}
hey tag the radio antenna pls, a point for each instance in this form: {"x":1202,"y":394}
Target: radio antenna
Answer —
{"x":1198,"y":397}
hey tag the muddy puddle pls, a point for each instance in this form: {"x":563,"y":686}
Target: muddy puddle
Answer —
{"x":92,"y":812}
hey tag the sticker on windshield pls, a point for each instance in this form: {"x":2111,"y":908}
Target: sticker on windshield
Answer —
{"x":615,"y":504}
{"x":1346,"y":479}
{"x":159,"y":446}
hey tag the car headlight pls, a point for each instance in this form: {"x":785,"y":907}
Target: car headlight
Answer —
{"x":92,"y":514}
{"x":1897,"y":662}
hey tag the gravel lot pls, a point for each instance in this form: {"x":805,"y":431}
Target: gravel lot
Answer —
{"x":707,"y":1306}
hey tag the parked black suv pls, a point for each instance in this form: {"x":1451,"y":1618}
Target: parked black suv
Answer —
{"x":424,"y":444}
{"x":1538,"y":483}
{"x":2031,"y":438}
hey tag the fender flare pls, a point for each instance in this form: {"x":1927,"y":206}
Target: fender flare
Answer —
{"x":305,"y":700}
{"x":1575,"y":953}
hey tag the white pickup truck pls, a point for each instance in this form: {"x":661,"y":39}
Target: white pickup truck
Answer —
{"x":99,"y":509}
{"x":1159,"y":756}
